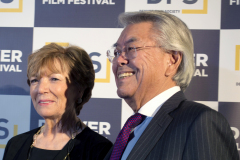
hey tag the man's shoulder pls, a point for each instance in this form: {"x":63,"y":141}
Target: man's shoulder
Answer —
{"x":194,"y":110}
{"x":178,"y":102}
{"x":195,"y":106}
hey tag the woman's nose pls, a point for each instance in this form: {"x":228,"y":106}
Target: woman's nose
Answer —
{"x":43,"y":86}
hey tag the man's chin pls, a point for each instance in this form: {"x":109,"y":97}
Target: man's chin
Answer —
{"x":122,"y":94}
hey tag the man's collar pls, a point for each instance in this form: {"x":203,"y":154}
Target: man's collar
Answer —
{"x":152,"y":106}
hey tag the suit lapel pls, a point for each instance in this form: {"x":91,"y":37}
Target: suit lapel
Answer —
{"x":156,"y":127}
{"x":107,"y":157}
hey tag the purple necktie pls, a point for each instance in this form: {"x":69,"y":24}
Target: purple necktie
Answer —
{"x":123,"y":136}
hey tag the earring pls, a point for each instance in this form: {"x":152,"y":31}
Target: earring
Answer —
{"x":79,"y":101}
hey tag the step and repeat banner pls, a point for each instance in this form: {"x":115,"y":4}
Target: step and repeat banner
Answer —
{"x":27,"y":25}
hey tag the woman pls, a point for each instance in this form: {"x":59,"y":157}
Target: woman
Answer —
{"x":61,"y":81}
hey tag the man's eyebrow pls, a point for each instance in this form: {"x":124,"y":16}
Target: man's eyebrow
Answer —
{"x":115,"y":44}
{"x":127,"y":42}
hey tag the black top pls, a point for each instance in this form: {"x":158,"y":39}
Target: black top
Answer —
{"x":86,"y":145}
{"x":40,"y":154}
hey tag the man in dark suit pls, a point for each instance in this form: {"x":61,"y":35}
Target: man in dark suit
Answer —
{"x":153,"y":65}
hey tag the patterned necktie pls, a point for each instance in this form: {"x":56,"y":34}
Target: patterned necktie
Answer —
{"x":122,"y":138}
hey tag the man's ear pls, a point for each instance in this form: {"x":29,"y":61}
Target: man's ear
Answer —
{"x":173,"y":63}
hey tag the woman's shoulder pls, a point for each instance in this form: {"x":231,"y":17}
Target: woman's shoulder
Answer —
{"x":90,"y":145}
{"x":24,"y":135}
{"x":17,"y":142}
{"x":91,"y":135}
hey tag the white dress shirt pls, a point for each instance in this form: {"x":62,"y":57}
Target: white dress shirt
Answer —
{"x":149,"y":110}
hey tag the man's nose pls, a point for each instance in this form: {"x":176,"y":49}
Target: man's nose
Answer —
{"x":122,"y":59}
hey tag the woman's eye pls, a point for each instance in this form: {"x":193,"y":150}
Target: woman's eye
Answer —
{"x":33,"y":81}
{"x":54,"y":79}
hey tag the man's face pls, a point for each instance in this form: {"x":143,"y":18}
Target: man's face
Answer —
{"x":141,"y":78}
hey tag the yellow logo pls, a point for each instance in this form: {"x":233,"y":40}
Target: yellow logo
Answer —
{"x":63,"y":44}
{"x":237,"y":58}
{"x":107,"y":79}
{"x":197,"y":11}
{"x":97,"y":80}
{"x":19,"y":9}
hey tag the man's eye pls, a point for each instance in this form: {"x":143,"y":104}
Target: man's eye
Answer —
{"x":116,"y":53}
{"x":130,"y":49}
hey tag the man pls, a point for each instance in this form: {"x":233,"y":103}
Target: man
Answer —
{"x":153,"y":64}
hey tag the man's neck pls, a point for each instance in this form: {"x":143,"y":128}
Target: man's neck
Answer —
{"x":137,"y":101}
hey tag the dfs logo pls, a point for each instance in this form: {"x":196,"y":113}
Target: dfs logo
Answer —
{"x":96,"y":63}
{"x":10,"y":5}
{"x":237,"y":58}
{"x":169,"y":1}
{"x":186,"y":11}
{"x":6,"y":1}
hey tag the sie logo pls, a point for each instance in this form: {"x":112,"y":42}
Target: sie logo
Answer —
{"x":5,"y":131}
{"x":10,"y":5}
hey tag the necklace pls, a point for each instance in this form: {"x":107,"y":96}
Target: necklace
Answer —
{"x":70,"y":144}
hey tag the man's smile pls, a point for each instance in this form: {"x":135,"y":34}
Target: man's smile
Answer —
{"x":125,"y":74}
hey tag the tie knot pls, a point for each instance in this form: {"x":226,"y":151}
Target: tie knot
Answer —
{"x":123,"y":136}
{"x":134,"y":120}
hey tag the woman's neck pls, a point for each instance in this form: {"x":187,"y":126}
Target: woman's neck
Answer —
{"x":51,"y":136}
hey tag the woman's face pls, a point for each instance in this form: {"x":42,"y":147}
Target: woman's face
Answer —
{"x":51,"y":93}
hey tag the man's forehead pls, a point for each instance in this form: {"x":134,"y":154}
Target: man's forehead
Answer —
{"x":134,"y":33}
{"x":127,"y":41}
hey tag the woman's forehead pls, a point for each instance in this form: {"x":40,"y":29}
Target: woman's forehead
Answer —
{"x":50,"y":69}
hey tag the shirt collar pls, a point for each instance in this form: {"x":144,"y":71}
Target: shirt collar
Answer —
{"x":152,"y":106}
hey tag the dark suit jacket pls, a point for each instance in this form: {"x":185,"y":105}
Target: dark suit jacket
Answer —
{"x":87,"y":145}
{"x":185,"y":130}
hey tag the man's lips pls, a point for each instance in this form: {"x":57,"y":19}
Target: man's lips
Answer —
{"x":125,"y":74}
